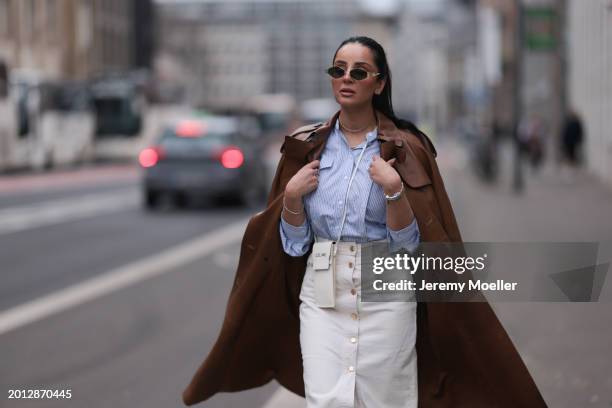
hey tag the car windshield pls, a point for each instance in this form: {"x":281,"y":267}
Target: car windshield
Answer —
{"x":273,"y":121}
{"x":172,"y":140}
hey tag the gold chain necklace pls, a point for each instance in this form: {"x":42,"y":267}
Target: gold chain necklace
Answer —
{"x":354,"y":130}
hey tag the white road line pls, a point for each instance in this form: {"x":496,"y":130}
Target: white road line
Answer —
{"x":67,"y":209}
{"x":283,"y":398}
{"x":120,"y":278}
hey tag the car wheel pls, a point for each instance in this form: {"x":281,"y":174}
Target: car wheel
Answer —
{"x":151,"y":199}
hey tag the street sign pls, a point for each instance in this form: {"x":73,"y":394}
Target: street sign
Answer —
{"x":539,"y":26}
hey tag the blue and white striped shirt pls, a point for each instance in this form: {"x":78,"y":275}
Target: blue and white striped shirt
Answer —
{"x":365,"y":219}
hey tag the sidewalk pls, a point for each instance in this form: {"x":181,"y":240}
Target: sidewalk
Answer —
{"x":86,"y":175}
{"x":549,"y":209}
{"x":563,"y":344}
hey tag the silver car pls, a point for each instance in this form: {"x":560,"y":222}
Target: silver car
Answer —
{"x":209,"y":157}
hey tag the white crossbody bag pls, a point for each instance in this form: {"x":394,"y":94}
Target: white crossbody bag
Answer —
{"x":324,"y":257}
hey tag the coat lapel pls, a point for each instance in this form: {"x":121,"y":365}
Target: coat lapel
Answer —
{"x":393,"y":144}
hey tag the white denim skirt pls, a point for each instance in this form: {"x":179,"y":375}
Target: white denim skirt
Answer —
{"x":358,"y":354}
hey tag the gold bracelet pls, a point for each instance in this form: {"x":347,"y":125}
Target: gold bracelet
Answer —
{"x":289,"y":211}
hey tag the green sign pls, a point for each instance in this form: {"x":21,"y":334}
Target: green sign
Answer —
{"x":539,"y":26}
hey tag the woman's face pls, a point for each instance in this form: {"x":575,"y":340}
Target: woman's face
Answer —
{"x":355,"y":55}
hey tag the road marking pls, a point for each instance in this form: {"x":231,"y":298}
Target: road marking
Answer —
{"x":67,"y":209}
{"x":285,"y":399}
{"x":121,"y":277}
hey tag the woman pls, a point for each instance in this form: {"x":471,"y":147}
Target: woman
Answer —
{"x":278,"y":323}
{"x":353,"y":354}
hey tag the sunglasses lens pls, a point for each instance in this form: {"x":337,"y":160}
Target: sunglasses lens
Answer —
{"x":335,"y":72}
{"x":358,"y":74}
{"x":355,"y":73}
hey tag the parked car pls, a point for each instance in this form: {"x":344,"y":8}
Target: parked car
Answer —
{"x":209,"y":157}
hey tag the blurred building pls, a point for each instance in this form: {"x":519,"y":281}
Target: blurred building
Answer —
{"x":236,"y":49}
{"x":32,"y":36}
{"x":218,"y":60}
{"x":589,"y":77}
{"x":437,"y":77}
{"x":420,"y":68}
{"x":565,"y":64}
{"x":464,"y":67}
{"x":111,"y":36}
{"x":497,"y":23}
{"x":143,"y":33}
{"x":232,"y":50}
{"x":73,"y":39}
{"x":521,"y":45}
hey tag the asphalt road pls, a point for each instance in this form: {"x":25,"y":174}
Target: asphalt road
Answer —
{"x":132,"y":345}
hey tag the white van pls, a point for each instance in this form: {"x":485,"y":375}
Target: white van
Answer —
{"x":8,"y":122}
{"x":50,"y":123}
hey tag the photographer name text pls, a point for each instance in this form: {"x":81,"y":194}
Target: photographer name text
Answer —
{"x":405,"y":284}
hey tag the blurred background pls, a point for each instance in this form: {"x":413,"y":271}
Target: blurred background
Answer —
{"x":137,"y":137}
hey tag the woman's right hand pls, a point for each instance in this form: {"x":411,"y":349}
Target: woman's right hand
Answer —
{"x":304,"y":181}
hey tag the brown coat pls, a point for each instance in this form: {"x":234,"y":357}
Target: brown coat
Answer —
{"x":465,"y":357}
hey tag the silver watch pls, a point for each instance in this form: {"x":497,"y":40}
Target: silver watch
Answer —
{"x":395,"y":196}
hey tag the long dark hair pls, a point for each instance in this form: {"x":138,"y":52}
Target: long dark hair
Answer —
{"x":383,"y":101}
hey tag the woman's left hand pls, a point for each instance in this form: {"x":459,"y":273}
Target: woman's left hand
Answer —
{"x":383,"y":173}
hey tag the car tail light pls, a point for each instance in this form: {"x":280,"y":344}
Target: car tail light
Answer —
{"x":231,"y":158}
{"x":150,"y":156}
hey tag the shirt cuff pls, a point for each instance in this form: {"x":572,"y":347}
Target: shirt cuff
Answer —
{"x":408,"y":237}
{"x":295,"y":240}
{"x":293,"y":233}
